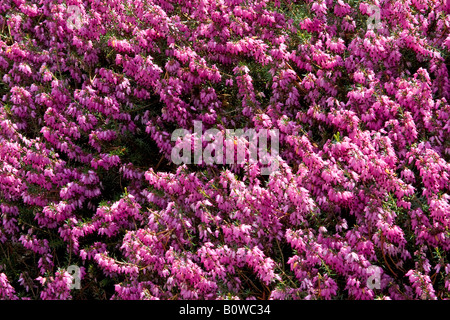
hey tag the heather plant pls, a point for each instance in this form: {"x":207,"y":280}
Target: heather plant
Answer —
{"x":92,"y":90}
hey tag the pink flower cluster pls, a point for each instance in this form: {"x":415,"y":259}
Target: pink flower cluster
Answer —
{"x":86,"y":178}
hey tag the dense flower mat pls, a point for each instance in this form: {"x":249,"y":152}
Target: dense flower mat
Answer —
{"x":90,"y":97}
